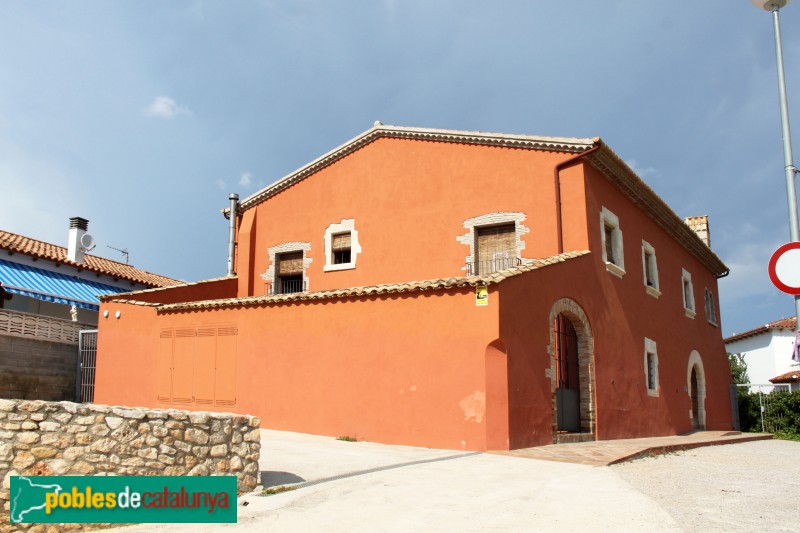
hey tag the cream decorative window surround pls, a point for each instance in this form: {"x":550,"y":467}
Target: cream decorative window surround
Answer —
{"x":288,"y":247}
{"x":347,"y":225}
{"x":711,"y":308}
{"x":650,"y":269}
{"x":651,"y":367}
{"x":609,"y":228}
{"x":492,"y":219}
{"x":687,"y":290}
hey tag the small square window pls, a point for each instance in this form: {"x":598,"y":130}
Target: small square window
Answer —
{"x":341,"y":246}
{"x":611,"y":238}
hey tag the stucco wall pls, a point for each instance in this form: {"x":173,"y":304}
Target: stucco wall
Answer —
{"x":409,"y":200}
{"x":400,"y":368}
{"x":62,"y":438}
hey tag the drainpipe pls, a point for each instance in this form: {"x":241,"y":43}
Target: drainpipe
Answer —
{"x":234,"y":198}
{"x":557,"y":179}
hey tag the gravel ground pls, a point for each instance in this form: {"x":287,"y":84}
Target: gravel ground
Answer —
{"x":753,"y":486}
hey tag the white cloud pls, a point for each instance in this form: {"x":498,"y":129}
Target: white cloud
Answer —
{"x":246,"y":179}
{"x":165,"y":107}
{"x":221,"y":184}
{"x":642,"y":172}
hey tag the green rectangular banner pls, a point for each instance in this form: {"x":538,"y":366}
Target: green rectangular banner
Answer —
{"x":122,"y":499}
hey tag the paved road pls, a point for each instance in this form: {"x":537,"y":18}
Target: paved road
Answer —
{"x":452,"y":491}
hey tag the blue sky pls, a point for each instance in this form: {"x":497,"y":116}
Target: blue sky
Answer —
{"x":143,"y":116}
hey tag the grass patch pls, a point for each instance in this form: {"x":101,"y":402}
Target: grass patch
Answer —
{"x":277,"y":490}
{"x":347,"y":438}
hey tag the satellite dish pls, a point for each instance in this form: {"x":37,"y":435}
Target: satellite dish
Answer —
{"x":87,"y":242}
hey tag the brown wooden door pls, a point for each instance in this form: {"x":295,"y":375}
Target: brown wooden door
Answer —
{"x":567,"y":378}
{"x":695,"y":401}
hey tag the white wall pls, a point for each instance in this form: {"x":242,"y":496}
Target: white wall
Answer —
{"x":767,"y":355}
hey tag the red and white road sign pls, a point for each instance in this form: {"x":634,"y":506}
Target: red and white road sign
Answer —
{"x":784,"y":268}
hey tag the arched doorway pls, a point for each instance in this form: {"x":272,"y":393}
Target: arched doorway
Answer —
{"x":571,"y":372}
{"x":696,"y":387}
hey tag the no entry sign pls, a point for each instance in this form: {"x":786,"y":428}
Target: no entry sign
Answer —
{"x":784,"y":268}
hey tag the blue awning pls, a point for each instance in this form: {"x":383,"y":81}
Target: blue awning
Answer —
{"x":52,"y":286}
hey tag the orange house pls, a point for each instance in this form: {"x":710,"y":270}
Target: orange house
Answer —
{"x":447,"y":289}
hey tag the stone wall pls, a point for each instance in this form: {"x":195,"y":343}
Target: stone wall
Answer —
{"x":37,"y":369}
{"x":40,"y":438}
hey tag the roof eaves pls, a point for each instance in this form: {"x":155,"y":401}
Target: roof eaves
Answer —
{"x":560,"y":144}
{"x":638,"y":192}
{"x":782,"y":324}
{"x":374,"y":290}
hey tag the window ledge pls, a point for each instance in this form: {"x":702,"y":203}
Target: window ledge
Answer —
{"x":689,"y":313}
{"x":711,"y":322}
{"x":614,"y":269}
{"x":342,"y":266}
{"x":652,"y":393}
{"x":652,"y":291}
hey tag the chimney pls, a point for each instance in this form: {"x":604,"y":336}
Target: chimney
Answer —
{"x":699,"y":225}
{"x":77,"y":229}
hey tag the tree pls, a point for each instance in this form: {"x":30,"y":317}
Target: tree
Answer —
{"x":738,"y":368}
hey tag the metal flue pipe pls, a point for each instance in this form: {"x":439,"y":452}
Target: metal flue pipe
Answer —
{"x":234,"y":198}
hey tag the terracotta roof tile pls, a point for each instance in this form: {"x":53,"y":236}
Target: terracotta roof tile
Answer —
{"x":793,"y":376}
{"x":789,"y":323}
{"x":389,"y":288}
{"x":44,"y":250}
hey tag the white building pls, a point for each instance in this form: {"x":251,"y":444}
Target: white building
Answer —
{"x":767,"y":350}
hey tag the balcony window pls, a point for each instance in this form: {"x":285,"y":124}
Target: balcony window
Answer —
{"x":495,"y":249}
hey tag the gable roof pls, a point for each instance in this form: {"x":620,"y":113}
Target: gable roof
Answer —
{"x":14,"y":243}
{"x":782,"y":324}
{"x":603,"y":159}
{"x":354,"y":292}
{"x":531,"y":142}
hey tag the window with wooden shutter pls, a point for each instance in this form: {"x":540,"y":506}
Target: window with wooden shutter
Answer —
{"x":496,"y":248}
{"x":340,"y":248}
{"x":289,"y":273}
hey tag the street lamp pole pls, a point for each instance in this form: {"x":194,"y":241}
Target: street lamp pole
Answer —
{"x":788,"y":163}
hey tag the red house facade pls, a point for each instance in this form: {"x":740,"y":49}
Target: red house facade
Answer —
{"x":442,"y":288}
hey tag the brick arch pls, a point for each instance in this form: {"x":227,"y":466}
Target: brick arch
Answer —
{"x":696,"y":364}
{"x":570,"y":309}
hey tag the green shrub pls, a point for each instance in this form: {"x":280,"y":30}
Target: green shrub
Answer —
{"x":781,"y":413}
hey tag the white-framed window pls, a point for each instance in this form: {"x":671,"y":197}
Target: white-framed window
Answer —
{"x":287,"y":271}
{"x":651,"y":367}
{"x":711,"y":308}
{"x":687,"y":290}
{"x":611,"y":238}
{"x":341,"y":246}
{"x":650,"y":269}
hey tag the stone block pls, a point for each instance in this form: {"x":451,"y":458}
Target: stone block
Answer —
{"x":220,"y":450}
{"x":43,"y":452}
{"x":196,"y":436}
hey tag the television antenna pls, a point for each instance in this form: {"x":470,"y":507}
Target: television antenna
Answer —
{"x":124,"y":252}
